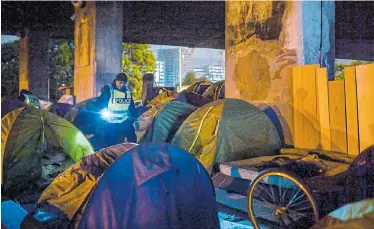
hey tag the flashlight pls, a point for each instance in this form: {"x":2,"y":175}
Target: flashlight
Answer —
{"x":106,"y":114}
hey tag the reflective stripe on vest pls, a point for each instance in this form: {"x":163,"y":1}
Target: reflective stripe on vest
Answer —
{"x":118,"y":105}
{"x":32,"y":100}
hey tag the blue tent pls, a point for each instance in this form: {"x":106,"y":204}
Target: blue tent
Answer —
{"x":153,"y":186}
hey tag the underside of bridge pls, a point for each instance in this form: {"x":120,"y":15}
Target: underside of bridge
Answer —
{"x":313,"y":32}
{"x":191,"y":24}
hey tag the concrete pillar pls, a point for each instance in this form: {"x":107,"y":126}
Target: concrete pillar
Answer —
{"x":264,"y":39}
{"x":34,"y":61}
{"x":98,"y":46}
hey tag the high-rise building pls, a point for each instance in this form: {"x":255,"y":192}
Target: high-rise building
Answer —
{"x":160,"y":73}
{"x":214,"y":73}
{"x":177,"y":62}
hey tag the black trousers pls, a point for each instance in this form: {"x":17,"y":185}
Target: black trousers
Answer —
{"x":116,"y":133}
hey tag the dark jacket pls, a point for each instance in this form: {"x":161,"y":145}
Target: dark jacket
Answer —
{"x":103,"y":99}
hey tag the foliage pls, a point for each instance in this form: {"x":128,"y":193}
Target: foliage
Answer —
{"x":190,"y":78}
{"x":339,"y":68}
{"x":137,"y":59}
{"x":61,"y":65}
{"x":9,"y":69}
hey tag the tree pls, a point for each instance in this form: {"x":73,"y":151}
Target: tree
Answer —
{"x":61,"y":66}
{"x":9,"y":69}
{"x":339,"y":68}
{"x":190,"y":78}
{"x":137,"y":59}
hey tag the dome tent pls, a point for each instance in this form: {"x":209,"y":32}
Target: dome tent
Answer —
{"x":233,"y":130}
{"x":10,"y":104}
{"x":61,"y":109}
{"x":153,"y":186}
{"x":199,"y":87}
{"x":167,"y":121}
{"x":162,"y":98}
{"x":36,"y":146}
{"x":65,"y":199}
{"x":216,"y":91}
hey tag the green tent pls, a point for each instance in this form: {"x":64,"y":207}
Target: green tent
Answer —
{"x":227,"y":130}
{"x":216,"y":91}
{"x":167,"y":121}
{"x":36,"y":146}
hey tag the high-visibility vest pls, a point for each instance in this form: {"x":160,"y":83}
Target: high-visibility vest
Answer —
{"x":118,"y":105}
{"x":32,"y":100}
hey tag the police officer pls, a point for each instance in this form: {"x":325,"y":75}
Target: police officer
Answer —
{"x":29,"y":98}
{"x":117,"y":99}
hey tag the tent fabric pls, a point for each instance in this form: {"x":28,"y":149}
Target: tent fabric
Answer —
{"x":167,"y":121}
{"x":36,"y":146}
{"x":9,"y":105}
{"x":360,"y":177}
{"x":216,"y":91}
{"x":153,"y":186}
{"x":227,"y":130}
{"x":60,"y":109}
{"x":84,"y":116}
{"x":193,"y":98}
{"x":69,"y":192}
{"x":144,"y":122}
{"x":199,"y":87}
{"x":357,"y":215}
{"x":162,"y":98}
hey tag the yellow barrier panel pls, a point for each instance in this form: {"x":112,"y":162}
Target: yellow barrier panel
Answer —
{"x":306,"y":126}
{"x":323,"y":108}
{"x":337,"y":116}
{"x":365,"y":103}
{"x":351,"y":109}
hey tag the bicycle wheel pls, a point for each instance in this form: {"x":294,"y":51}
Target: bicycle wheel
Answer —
{"x":282,"y":198}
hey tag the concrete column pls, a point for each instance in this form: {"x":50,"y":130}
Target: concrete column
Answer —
{"x":264,"y":39}
{"x":98,"y":47}
{"x":34,"y":62}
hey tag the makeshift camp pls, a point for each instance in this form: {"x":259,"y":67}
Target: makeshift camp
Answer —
{"x":167,"y":121}
{"x":162,"y":98}
{"x":10,"y":104}
{"x":199,"y":87}
{"x":227,"y":130}
{"x":36,"y":146}
{"x":358,"y":215}
{"x":216,"y":91}
{"x":193,"y":98}
{"x":153,"y":186}
{"x":60,"y":109}
{"x":65,"y":199}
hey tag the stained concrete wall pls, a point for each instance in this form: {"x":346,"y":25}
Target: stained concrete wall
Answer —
{"x":98,"y":47}
{"x":34,"y":62}
{"x":264,"y":40}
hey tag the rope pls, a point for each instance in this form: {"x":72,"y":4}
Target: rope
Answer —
{"x":199,"y":130}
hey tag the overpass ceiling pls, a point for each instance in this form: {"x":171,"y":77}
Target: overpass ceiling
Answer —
{"x":192,"y":24}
